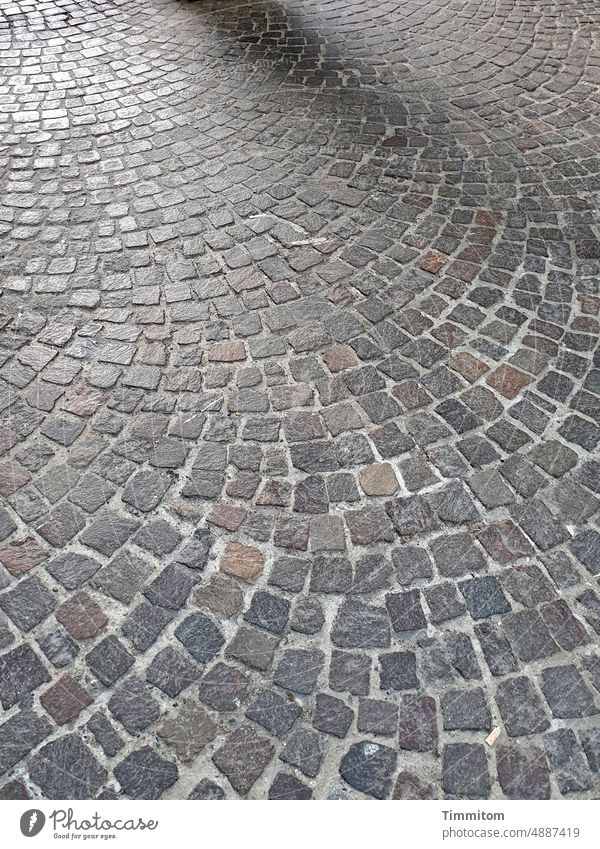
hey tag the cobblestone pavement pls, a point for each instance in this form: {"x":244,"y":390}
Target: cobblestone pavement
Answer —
{"x":299,"y":393}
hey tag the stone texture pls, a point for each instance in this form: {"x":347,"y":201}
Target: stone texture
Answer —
{"x":299,"y":394}
{"x":331,"y":715}
{"x":133,"y":706}
{"x":299,"y":669}
{"x":566,"y":692}
{"x":521,"y":707}
{"x":288,"y":787}
{"x":81,"y":616}
{"x":67,"y":769}
{"x":253,"y":647}
{"x":65,"y":700}
{"x":243,"y":561}
{"x":379,"y":479}
{"x":465,"y":771}
{"x":28,"y":603}
{"x":200,"y":636}
{"x":187,"y":731}
{"x":223,"y":688}
{"x":274,"y":712}
{"x":243,"y":757}
{"x":172,"y":671}
{"x":144,"y":774}
{"x":21,"y":672}
{"x":361,"y":625}
{"x":417,"y":725}
{"x":523,"y":772}
{"x":369,"y":767}
{"x":19,"y":734}
{"x":304,"y":749}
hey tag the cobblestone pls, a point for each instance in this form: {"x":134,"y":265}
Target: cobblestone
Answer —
{"x":299,"y":381}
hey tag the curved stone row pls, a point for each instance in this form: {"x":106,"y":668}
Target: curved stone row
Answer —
{"x":299,"y":399}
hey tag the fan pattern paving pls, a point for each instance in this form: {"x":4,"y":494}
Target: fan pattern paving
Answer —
{"x":299,"y":399}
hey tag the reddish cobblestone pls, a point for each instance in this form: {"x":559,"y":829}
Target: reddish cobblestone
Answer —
{"x":81,"y":616}
{"x":65,"y":700}
{"x":243,"y":561}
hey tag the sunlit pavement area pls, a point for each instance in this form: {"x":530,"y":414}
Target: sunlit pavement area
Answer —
{"x":299,"y":393}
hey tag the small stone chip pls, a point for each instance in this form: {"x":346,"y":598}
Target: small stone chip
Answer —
{"x":493,"y":736}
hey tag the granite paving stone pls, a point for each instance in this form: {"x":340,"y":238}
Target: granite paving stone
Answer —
{"x":299,"y":400}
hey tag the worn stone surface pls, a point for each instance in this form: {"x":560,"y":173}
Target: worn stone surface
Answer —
{"x":133,"y":705}
{"x":304,"y":749}
{"x":465,"y":771}
{"x":369,"y":767}
{"x":243,"y":757}
{"x":21,"y":733}
{"x":65,"y":700}
{"x":288,"y":787}
{"x":274,"y":712}
{"x":299,"y":381}
{"x":67,"y":769}
{"x":188,"y":731}
{"x":21,"y":672}
{"x":523,"y":772}
{"x":144,"y":774}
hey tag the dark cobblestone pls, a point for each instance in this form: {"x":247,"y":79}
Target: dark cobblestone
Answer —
{"x":288,"y":787}
{"x":566,"y":692}
{"x":566,"y":758}
{"x":66,"y":768}
{"x":21,"y":671}
{"x":133,"y":705}
{"x":21,"y":733}
{"x":274,"y":712}
{"x":223,"y":688}
{"x":243,"y":757}
{"x":465,"y":771}
{"x":369,"y":767}
{"x":304,"y":749}
{"x":144,"y":774}
{"x":523,"y":772}
{"x":521,"y":707}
